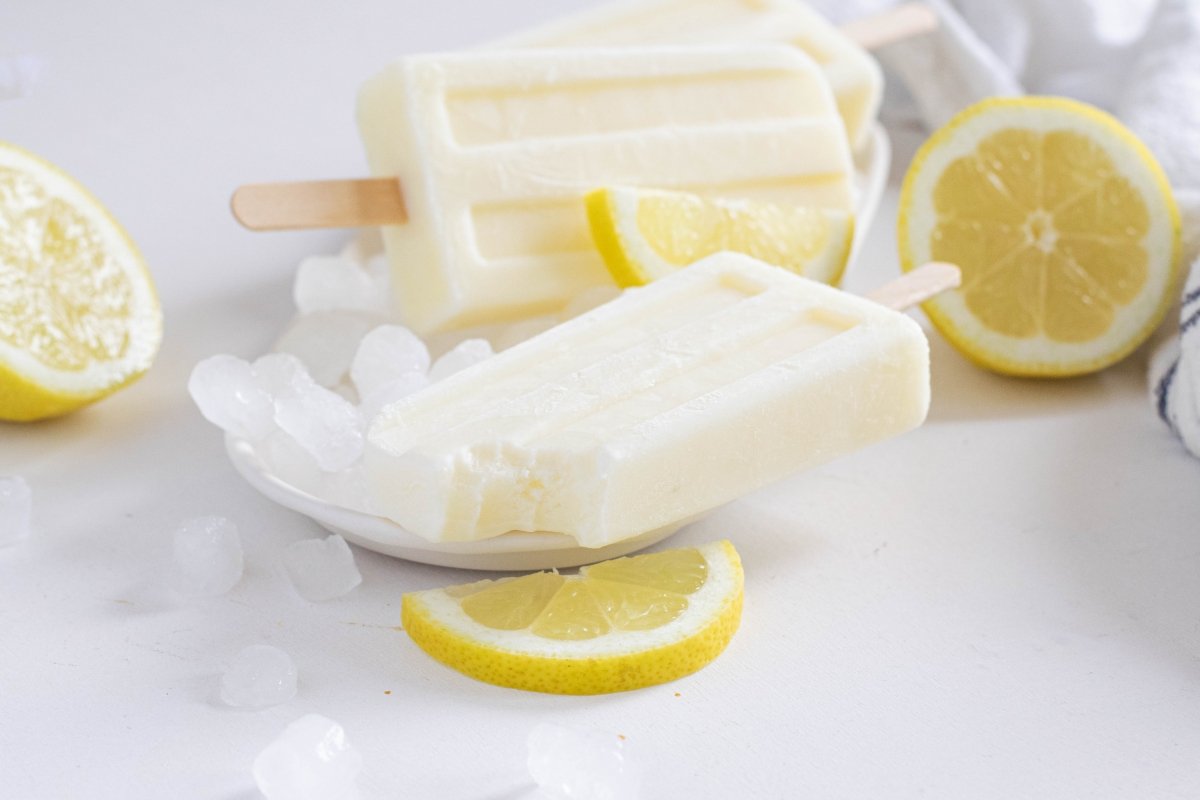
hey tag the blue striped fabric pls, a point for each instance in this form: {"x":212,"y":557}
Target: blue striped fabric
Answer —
{"x":1175,"y":371}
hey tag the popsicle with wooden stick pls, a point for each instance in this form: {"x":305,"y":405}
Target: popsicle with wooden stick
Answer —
{"x":484,"y":158}
{"x":658,"y":406}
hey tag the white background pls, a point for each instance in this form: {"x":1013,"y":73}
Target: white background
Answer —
{"x":1002,"y":604}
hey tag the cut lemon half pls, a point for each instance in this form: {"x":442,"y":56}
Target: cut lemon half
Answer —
{"x":646,"y":234}
{"x":79,"y":317}
{"x":1064,"y":227}
{"x":617,"y":625}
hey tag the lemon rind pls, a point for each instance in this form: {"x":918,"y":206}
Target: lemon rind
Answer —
{"x":618,"y":662}
{"x":948,"y":313}
{"x":631,"y":261}
{"x":29,"y":388}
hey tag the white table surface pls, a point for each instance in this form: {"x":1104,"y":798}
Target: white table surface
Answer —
{"x":1004,"y":603}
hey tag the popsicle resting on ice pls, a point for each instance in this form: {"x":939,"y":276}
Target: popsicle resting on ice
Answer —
{"x":496,"y":149}
{"x":856,"y":79}
{"x":667,"y":402}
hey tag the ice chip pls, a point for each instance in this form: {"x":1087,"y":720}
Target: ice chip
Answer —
{"x":380,"y":270}
{"x":259,"y":676}
{"x":279,"y":373}
{"x":311,"y":760}
{"x":224,"y":389}
{"x":16,"y":510}
{"x":207,"y":556}
{"x":568,"y":764}
{"x":325,"y":341}
{"x":466,"y":354}
{"x":323,"y":422}
{"x":321,"y":569}
{"x":384,"y":355}
{"x":390,"y":392}
{"x":335,"y":283}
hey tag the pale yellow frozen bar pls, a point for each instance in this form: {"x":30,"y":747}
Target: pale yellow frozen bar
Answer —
{"x":669,"y":401}
{"x":855,"y":76}
{"x":495,"y":150}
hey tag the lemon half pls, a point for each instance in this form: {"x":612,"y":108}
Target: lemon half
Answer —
{"x":646,"y":234}
{"x":79,"y":317}
{"x":618,"y":625}
{"x":1064,"y":227}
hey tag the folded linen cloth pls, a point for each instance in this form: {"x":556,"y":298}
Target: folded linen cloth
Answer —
{"x":1175,"y":370}
{"x":1138,"y":59}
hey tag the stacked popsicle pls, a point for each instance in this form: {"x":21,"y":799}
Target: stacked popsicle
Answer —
{"x":671,"y":399}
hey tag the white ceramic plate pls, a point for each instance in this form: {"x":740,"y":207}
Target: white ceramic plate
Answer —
{"x":512,"y":551}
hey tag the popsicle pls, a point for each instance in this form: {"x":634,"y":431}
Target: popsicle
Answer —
{"x":854,"y":75}
{"x":495,"y":150}
{"x":667,"y":402}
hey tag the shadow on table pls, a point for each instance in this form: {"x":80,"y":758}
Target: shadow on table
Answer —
{"x":1126,"y":541}
{"x":962,"y":391}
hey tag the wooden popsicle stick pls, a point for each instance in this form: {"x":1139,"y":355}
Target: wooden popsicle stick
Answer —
{"x":902,"y":22}
{"x":319,"y":204}
{"x":917,"y":286}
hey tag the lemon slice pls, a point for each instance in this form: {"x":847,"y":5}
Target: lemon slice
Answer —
{"x":79,"y":317}
{"x":618,"y":625}
{"x":646,"y":234}
{"x":1063,"y":224}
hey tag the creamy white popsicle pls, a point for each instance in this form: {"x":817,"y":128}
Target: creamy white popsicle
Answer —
{"x":495,"y":150}
{"x":856,"y":78}
{"x":665,"y":403}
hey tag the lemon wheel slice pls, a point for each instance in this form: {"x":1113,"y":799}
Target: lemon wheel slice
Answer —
{"x":1063,"y":224}
{"x":79,"y":317}
{"x":618,"y":625}
{"x":646,"y":234}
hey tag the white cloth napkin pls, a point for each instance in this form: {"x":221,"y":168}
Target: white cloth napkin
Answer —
{"x":1138,"y":59}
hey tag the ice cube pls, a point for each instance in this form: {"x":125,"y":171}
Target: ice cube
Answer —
{"x":466,"y":354}
{"x":390,"y":392}
{"x":207,"y":556}
{"x":336,"y":283}
{"x":367,"y":245}
{"x":311,"y":760}
{"x":324,"y":423}
{"x":321,"y":569}
{"x":325,"y":341}
{"x":224,"y":389}
{"x":16,"y":510}
{"x":384,"y":355}
{"x":380,"y":269}
{"x":569,"y":764}
{"x":280,"y":373}
{"x":259,"y":676}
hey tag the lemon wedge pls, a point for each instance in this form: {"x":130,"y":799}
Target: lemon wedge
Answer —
{"x":617,"y":625}
{"x":1064,"y":227}
{"x":79,"y":317}
{"x":645,"y":234}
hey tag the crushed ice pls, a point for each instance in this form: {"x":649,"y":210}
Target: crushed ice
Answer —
{"x":259,"y":676}
{"x":321,"y":569}
{"x":207,"y":553}
{"x":307,"y":407}
{"x":569,"y":764}
{"x":311,"y":760}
